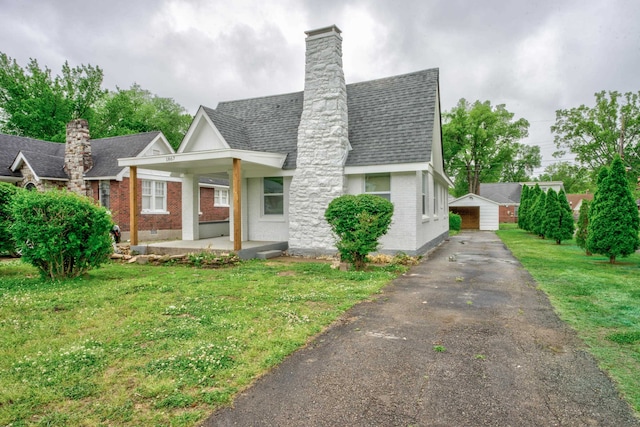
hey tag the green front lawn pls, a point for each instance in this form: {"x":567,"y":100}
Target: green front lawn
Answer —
{"x":133,"y":345}
{"x":600,"y":301}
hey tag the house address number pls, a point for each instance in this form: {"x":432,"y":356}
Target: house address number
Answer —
{"x":170,"y":158}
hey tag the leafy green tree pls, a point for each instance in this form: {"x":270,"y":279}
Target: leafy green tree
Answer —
{"x":575,"y":178}
{"x":583,"y":223}
{"x":595,"y":134}
{"x":358,"y":222}
{"x":60,"y":233}
{"x":135,"y":110}
{"x":38,"y":105}
{"x":7,"y":192}
{"x":525,"y":159}
{"x":614,"y":226}
{"x":481,"y":145}
{"x":523,"y":209}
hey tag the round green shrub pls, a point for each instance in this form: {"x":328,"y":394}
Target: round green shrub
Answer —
{"x":7,"y":192}
{"x":455,"y":221}
{"x":358,"y":222}
{"x":60,"y":233}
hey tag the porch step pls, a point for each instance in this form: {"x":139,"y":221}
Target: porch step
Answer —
{"x":268,"y":254}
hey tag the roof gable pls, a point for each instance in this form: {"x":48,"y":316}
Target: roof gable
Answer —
{"x":11,"y":145}
{"x":391,"y":121}
{"x":203,"y":135}
{"x":43,"y":166}
{"x":106,"y":151}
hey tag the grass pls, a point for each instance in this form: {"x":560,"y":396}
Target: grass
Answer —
{"x":600,"y":301}
{"x":134,"y":345}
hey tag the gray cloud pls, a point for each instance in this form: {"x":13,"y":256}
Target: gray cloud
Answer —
{"x":535,"y":57}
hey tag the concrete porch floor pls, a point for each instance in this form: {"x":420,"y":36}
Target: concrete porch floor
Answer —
{"x":216,"y":244}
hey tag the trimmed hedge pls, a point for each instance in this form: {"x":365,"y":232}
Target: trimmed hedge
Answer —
{"x":60,"y":233}
{"x":358,"y":222}
{"x":455,"y":221}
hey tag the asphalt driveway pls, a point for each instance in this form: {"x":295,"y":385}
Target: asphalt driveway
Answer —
{"x":463,"y":339}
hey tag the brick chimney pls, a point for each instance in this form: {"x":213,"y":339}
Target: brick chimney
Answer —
{"x":322,"y":144}
{"x":77,"y":156}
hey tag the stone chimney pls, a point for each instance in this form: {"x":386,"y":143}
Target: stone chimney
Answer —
{"x":323,"y":145}
{"x":77,"y":156}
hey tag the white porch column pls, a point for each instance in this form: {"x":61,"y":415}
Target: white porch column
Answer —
{"x":190,"y":203}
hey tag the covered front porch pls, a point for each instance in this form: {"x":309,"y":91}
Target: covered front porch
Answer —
{"x":219,"y":163}
{"x":250,"y":249}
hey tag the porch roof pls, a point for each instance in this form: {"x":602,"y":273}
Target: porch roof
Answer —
{"x":209,"y":162}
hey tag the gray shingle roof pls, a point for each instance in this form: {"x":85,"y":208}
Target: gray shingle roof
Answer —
{"x":47,"y":158}
{"x":11,"y":145}
{"x":106,"y":151}
{"x":45,"y":165}
{"x":390,"y":120}
{"x":502,"y":192}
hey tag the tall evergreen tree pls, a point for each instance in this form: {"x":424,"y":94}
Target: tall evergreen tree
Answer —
{"x":524,"y":207}
{"x":567,"y":226}
{"x":614,"y":226}
{"x":551,"y":219}
{"x":583,"y":222}
{"x":537,"y":218}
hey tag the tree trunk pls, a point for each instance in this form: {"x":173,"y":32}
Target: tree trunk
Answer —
{"x":612,"y":259}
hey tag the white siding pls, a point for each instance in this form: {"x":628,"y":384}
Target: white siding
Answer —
{"x":266,"y":227}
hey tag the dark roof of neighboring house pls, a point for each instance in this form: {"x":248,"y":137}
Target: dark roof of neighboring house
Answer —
{"x":213,"y":181}
{"x":11,"y":145}
{"x":47,"y":158}
{"x":502,"y":192}
{"x":45,"y":165}
{"x":390,"y":121}
{"x":106,"y":151}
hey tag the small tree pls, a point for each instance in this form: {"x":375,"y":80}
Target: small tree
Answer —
{"x":551,"y":218}
{"x":60,"y":233}
{"x":7,"y":192}
{"x":358,"y":222}
{"x":614,"y":226}
{"x":538,"y":214}
{"x":523,"y":210}
{"x":567,"y":225}
{"x":583,"y":222}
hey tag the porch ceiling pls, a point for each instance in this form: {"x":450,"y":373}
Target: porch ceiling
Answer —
{"x":208,"y":162}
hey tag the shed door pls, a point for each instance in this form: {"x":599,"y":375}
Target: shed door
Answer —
{"x":470,"y":216}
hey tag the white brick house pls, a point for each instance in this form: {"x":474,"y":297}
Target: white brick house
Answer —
{"x":287,"y":156}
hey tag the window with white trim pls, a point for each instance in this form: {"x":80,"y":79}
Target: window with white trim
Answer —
{"x":221,"y":197}
{"x":105,"y":194}
{"x":273,"y":195}
{"x":378,"y":184}
{"x":154,"y":196}
{"x":425,"y":194}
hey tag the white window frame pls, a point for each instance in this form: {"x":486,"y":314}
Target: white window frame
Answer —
{"x":221,"y":197}
{"x":265,"y":195}
{"x":386,"y":194}
{"x":152,"y":193}
{"x":425,"y":194}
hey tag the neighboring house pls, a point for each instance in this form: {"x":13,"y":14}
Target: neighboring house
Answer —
{"x":477,"y":212}
{"x":575,"y":201}
{"x":90,"y":167}
{"x":287,"y":156}
{"x":507,"y":195}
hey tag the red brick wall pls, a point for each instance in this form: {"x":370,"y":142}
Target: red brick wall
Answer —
{"x":210,"y":212}
{"x":507,"y":213}
{"x":119,"y":201}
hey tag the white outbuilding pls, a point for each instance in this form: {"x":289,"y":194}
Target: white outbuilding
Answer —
{"x":477,"y":212}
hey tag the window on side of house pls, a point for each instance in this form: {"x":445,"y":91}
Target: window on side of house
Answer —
{"x":273,"y":195}
{"x":221,"y":197}
{"x":378,"y":184}
{"x":425,"y":194}
{"x":105,"y":194}
{"x":154,"y":196}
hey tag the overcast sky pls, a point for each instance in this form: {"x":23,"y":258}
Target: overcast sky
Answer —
{"x":534,"y":56}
